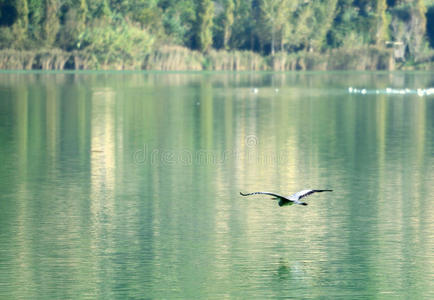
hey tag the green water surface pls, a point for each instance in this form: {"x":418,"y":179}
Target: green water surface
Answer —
{"x":126,"y":185}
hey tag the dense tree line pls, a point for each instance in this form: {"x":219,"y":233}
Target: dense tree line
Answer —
{"x":111,"y":30}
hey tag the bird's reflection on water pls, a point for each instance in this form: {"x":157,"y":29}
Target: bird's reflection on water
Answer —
{"x":289,"y":271}
{"x":283,"y":271}
{"x":290,"y":278}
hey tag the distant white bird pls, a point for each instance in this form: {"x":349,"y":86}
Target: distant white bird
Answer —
{"x":293,"y":199}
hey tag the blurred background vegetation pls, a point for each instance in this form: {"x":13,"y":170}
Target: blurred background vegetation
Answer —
{"x":217,"y":35}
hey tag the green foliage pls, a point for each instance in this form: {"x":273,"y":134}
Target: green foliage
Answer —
{"x":124,"y":34}
{"x":115,"y":44}
{"x":271,"y":17}
{"x":98,"y":9}
{"x":430,"y":25}
{"x":36,"y":15}
{"x":382,"y":32}
{"x":74,"y":23}
{"x":82,"y":12}
{"x":223,"y":21}
{"x":19,"y":28}
{"x":22,"y":13}
{"x":323,"y":15}
{"x":51,"y":22}
{"x":204,"y":23}
{"x":228,"y":20}
{"x":149,"y":16}
{"x":178,"y":22}
{"x":243,"y":29}
{"x":408,"y":26}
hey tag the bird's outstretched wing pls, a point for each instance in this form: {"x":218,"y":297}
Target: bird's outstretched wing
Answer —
{"x":305,"y":193}
{"x":267,"y":193}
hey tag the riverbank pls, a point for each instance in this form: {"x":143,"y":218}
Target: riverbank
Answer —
{"x":177,"y":58}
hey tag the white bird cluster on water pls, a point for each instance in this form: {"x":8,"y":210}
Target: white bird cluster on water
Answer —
{"x":391,"y":91}
{"x":256,"y":90}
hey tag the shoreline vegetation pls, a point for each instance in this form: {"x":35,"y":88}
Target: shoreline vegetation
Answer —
{"x":222,"y":35}
{"x":177,"y":58}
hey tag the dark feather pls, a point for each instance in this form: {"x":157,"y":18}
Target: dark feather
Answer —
{"x":276,"y":196}
{"x":314,"y":191}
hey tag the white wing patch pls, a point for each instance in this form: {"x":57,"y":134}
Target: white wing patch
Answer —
{"x":299,"y":194}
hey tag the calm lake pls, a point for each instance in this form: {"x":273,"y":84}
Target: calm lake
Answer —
{"x":126,"y":185}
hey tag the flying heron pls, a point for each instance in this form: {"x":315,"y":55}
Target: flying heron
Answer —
{"x":293,"y":199}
